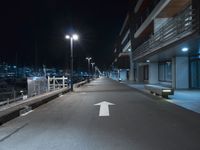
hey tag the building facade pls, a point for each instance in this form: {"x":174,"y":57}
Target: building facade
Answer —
{"x":123,"y":64}
{"x":164,"y":42}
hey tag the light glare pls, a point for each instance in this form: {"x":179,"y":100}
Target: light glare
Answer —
{"x":185,"y":49}
{"x":75,"y":37}
{"x":166,"y":90}
{"x":67,"y":37}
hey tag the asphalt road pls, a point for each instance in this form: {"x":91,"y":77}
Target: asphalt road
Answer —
{"x":137,"y":121}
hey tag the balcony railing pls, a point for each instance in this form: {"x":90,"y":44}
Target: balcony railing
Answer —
{"x":176,"y":28}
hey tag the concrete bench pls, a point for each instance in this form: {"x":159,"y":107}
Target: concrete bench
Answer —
{"x":160,"y":90}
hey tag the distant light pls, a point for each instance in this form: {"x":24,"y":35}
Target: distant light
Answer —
{"x":35,"y":78}
{"x":168,"y":63}
{"x":75,"y":36}
{"x":67,"y":37}
{"x":185,"y":49}
{"x":166,"y":90}
{"x":148,"y":61}
{"x":129,"y":50}
{"x":88,"y":58}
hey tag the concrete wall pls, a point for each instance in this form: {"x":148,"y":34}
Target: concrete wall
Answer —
{"x":153,"y":73}
{"x":174,"y":73}
{"x":181,"y":75}
{"x":139,"y":75}
{"x":131,"y":73}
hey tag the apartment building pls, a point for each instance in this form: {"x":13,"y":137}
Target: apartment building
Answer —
{"x":164,"y":42}
{"x":123,"y":61}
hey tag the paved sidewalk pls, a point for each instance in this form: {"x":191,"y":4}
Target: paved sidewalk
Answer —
{"x":132,"y":120}
{"x":189,"y":99}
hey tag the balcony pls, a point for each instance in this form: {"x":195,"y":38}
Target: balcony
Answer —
{"x":175,"y":29}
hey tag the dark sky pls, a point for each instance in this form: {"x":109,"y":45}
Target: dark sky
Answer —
{"x":32,"y":28}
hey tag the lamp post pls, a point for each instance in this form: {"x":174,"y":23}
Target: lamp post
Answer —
{"x":92,"y":68}
{"x":72,"y":38}
{"x":88,"y":59}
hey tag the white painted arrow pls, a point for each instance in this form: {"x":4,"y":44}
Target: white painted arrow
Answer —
{"x":104,"y":108}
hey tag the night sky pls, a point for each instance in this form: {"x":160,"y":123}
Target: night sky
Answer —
{"x":32,"y":32}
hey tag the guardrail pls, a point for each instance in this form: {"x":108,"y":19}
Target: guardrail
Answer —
{"x":10,"y":97}
{"x":9,"y":101}
{"x":176,"y":28}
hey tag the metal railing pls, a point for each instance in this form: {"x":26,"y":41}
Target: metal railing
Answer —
{"x":55,"y":83}
{"x":35,"y":86}
{"x":176,"y":28}
{"x":10,"y":97}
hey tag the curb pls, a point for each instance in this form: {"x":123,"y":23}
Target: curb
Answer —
{"x":33,"y":102}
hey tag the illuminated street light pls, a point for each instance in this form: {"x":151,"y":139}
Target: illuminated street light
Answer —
{"x":92,"y":67}
{"x":92,"y":64}
{"x":88,"y":59}
{"x":72,"y":38}
{"x":75,"y":37}
{"x":67,"y":37}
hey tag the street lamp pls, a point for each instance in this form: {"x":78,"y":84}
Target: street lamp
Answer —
{"x":92,"y":67}
{"x":88,"y":59}
{"x":72,"y":38}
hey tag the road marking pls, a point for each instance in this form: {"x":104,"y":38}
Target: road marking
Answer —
{"x":27,"y":110}
{"x":26,"y":113}
{"x":61,"y":95}
{"x":104,"y":108}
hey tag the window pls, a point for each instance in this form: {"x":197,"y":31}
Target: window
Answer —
{"x":165,"y":71}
